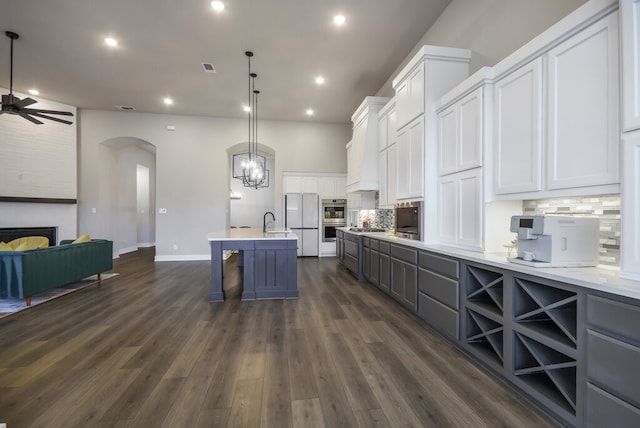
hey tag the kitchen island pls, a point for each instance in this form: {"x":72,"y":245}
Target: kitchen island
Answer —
{"x":268,"y":260}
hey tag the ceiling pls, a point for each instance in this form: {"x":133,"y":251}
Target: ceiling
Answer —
{"x":162,"y":43}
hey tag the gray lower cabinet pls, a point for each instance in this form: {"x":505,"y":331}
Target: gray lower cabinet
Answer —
{"x":385,"y":268}
{"x":352,"y":249}
{"x":438,"y":292}
{"x":340,"y":246}
{"x":575,"y":352}
{"x":613,"y":354}
{"x":404,"y":275}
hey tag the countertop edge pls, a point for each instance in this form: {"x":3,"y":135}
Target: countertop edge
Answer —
{"x":600,"y":278}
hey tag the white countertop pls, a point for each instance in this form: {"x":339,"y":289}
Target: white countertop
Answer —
{"x":601,"y":278}
{"x":250,"y":234}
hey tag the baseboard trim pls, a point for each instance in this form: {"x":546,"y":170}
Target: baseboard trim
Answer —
{"x":183,"y":258}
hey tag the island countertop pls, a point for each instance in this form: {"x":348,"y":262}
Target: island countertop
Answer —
{"x":251,"y":234}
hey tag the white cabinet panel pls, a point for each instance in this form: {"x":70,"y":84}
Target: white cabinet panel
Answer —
{"x":470,"y":131}
{"x":447,"y":209}
{"x":448,"y":140}
{"x":292,"y":184}
{"x":383,"y":169}
{"x":582,"y":108}
{"x":382,"y":131}
{"x":518,"y":130}
{"x":332,"y":187}
{"x":630,"y":215}
{"x":470,"y":209}
{"x":416,"y":159}
{"x":460,"y":209}
{"x":410,"y":96}
{"x":630,"y":19}
{"x":309,"y":184}
{"x":392,"y":173}
{"x":410,"y":171}
{"x":460,"y":134}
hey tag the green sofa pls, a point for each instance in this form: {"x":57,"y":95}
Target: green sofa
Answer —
{"x":26,"y":273}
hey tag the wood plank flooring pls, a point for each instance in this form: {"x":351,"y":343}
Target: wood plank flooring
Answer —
{"x":146,"y":349}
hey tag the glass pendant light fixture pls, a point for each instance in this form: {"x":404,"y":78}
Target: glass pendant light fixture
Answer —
{"x":250,"y":167}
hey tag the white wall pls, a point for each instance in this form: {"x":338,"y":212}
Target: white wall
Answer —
{"x":38,"y":161}
{"x":192,"y":170}
{"x":492,"y":29}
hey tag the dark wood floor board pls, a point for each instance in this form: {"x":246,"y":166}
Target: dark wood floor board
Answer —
{"x":225,"y":377}
{"x":374,"y":418}
{"x":396,"y":409}
{"x":356,"y":387}
{"x":146,"y":348}
{"x":154,"y":409}
{"x":424,"y":403}
{"x":247,"y":404}
{"x":307,"y":413}
{"x":276,"y":398}
{"x":210,"y":418}
{"x":73,"y":403}
{"x":303,"y":383}
{"x":360,"y":322}
{"x":333,"y":399}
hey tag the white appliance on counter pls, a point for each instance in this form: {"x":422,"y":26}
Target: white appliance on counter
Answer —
{"x":301,"y":216}
{"x":556,"y":241}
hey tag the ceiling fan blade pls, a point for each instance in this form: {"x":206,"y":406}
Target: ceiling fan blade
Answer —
{"x":55,"y":119}
{"x":23,"y":102}
{"x":36,"y":110}
{"x":31,"y":119}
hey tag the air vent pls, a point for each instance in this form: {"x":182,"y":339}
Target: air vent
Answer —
{"x":208,"y":67}
{"x":125,"y":108}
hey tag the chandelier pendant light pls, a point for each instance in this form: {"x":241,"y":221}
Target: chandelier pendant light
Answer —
{"x":250,"y":167}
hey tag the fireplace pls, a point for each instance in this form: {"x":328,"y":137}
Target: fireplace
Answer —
{"x":10,"y":233}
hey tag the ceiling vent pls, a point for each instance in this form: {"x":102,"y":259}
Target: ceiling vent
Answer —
{"x":127,"y":108}
{"x":208,"y":67}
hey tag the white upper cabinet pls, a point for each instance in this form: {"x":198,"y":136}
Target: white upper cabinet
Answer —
{"x":362,"y":151}
{"x":461,"y":209}
{"x":630,"y":19}
{"x":583,"y":136}
{"x":556,"y":118}
{"x":387,"y":142}
{"x":630,"y":215}
{"x":410,"y":181}
{"x":332,"y":187}
{"x":460,"y":134}
{"x":410,"y":96}
{"x":518,"y":130}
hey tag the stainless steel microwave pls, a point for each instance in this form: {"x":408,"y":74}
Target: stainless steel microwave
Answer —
{"x":408,"y":220}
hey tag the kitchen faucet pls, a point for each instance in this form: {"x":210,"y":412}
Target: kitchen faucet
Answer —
{"x":264,"y":220}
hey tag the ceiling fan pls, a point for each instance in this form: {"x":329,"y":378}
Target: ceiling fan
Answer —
{"x":14,"y":105}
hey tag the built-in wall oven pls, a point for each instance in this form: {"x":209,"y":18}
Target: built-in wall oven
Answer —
{"x":333,"y":215}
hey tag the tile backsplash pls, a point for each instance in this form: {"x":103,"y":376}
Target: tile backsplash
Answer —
{"x":379,"y":218}
{"x":605,"y":207}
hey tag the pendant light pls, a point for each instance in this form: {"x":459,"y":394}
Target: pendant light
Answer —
{"x":250,"y":167}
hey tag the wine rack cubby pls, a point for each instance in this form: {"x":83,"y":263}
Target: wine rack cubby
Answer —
{"x":485,"y":336}
{"x":485,"y":289}
{"x":547,"y":310}
{"x":551,"y":373}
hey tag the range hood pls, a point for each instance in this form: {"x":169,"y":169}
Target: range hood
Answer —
{"x":362,"y":150}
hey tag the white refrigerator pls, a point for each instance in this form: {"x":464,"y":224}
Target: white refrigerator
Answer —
{"x":302,"y":217}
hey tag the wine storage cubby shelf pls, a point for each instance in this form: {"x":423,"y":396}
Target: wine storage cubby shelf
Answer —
{"x":485,"y":289}
{"x":551,"y":373}
{"x":485,"y":336}
{"x":547,"y":310}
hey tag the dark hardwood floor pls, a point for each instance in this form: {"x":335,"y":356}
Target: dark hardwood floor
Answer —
{"x":146,"y":349}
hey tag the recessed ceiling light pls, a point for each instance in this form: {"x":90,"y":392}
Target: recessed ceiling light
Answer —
{"x":309,"y":112}
{"x":34,"y":92}
{"x":168,"y":101}
{"x":339,"y":19}
{"x":218,"y":6}
{"x":319,"y":80}
{"x":111,"y":41}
